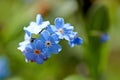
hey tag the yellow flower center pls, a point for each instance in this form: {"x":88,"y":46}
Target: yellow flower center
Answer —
{"x":61,"y":31}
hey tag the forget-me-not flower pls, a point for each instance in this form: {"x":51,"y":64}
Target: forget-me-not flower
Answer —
{"x":36,"y":52}
{"x":62,"y":30}
{"x":75,"y":40}
{"x":50,"y":44}
{"x":39,"y":25}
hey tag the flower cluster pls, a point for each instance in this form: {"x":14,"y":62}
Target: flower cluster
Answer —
{"x":42,"y":39}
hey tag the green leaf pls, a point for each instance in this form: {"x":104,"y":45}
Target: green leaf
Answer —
{"x":98,"y":22}
{"x":98,"y":18}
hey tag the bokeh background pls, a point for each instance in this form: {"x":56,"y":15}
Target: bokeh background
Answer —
{"x":69,"y":64}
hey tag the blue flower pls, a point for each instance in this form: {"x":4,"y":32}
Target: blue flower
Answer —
{"x":38,"y":26}
{"x":4,"y":68}
{"x":50,"y":44}
{"x":36,"y":52}
{"x":62,"y":30}
{"x":104,"y":37}
{"x":75,"y":40}
{"x":52,"y":30}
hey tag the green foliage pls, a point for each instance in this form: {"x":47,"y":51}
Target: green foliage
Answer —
{"x":97,"y":23}
{"x":98,"y":18}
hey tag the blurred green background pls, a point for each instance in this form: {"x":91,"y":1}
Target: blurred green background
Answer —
{"x":70,"y":63}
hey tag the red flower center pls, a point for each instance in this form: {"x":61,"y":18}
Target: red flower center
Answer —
{"x":36,"y":51}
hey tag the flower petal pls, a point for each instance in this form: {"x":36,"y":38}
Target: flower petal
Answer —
{"x":39,"y":59}
{"x":27,"y":35}
{"x":55,"y":48}
{"x":44,"y":24}
{"x":22,"y":45}
{"x":51,"y":29}
{"x":45,"y":34}
{"x":30,"y":56}
{"x":39,"y":45}
{"x":59,"y":22}
{"x":69,"y":27}
{"x":78,"y":40}
{"x":39,"y":19}
{"x":56,"y":38}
